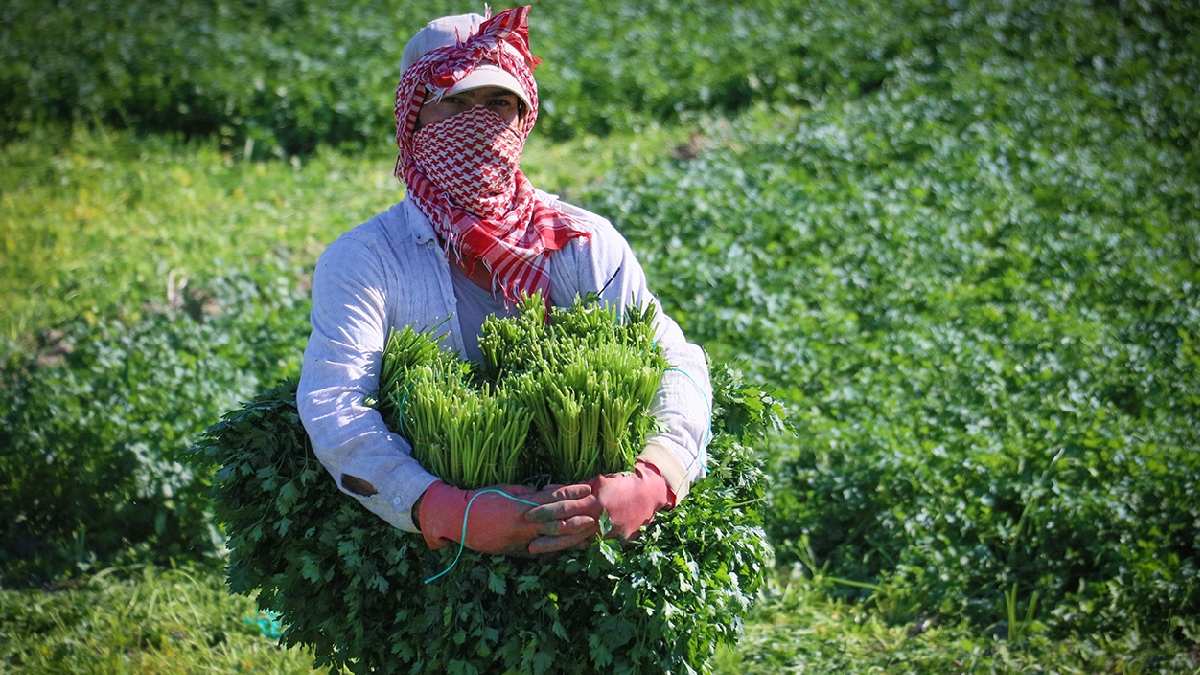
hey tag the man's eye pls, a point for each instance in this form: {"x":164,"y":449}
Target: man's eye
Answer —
{"x":500,"y":102}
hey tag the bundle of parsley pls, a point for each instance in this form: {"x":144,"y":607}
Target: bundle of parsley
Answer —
{"x":350,"y":587}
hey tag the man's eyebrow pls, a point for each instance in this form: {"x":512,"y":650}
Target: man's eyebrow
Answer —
{"x":496,"y":93}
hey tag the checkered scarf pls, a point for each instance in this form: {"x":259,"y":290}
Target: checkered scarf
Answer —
{"x":492,"y":225}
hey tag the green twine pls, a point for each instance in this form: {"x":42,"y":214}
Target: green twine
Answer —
{"x":462,"y":541}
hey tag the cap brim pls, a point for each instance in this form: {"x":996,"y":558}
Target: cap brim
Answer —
{"x":487,"y":75}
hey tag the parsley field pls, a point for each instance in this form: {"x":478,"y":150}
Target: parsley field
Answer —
{"x":958,"y":242}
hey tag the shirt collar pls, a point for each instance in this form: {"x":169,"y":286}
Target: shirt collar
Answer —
{"x":418,"y":224}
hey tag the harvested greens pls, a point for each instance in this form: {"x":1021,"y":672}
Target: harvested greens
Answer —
{"x":349,"y":586}
{"x":558,"y":398}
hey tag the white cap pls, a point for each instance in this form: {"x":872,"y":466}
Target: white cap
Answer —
{"x":451,"y":30}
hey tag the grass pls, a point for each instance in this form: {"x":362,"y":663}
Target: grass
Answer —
{"x":799,"y":629}
{"x":175,"y":621}
{"x":145,"y":620}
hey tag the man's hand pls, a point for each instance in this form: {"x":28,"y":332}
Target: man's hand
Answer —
{"x":497,"y":524}
{"x":631,"y":500}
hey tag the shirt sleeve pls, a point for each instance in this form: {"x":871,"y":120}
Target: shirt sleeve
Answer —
{"x":682,"y":404}
{"x":340,"y":370}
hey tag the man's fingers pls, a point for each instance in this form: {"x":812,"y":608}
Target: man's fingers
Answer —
{"x":564,"y":510}
{"x":561,"y":543}
{"x":562,"y":502}
{"x":578,"y":524}
{"x":572,"y":525}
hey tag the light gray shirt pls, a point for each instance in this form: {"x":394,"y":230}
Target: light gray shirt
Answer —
{"x":390,"y":272}
{"x":475,"y":304}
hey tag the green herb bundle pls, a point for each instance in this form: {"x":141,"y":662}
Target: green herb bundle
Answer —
{"x":561,"y":399}
{"x":590,"y":414}
{"x":468,"y":436}
{"x":349,"y":586}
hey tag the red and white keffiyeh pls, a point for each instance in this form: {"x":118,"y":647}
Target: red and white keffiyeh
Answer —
{"x":472,"y":157}
{"x":485,"y":211}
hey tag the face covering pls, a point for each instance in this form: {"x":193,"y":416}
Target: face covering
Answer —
{"x":473,"y":158}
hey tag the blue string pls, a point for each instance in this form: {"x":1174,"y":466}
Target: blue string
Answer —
{"x":462,"y":541}
{"x":694,"y":384}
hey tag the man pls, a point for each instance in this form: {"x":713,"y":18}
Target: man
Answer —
{"x":470,"y":238}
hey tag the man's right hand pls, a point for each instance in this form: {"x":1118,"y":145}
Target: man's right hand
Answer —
{"x":497,"y":524}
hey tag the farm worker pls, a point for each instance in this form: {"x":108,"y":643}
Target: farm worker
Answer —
{"x":470,"y":238}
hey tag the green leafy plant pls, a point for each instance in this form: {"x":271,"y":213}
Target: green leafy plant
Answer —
{"x":93,"y":449}
{"x":350,"y":586}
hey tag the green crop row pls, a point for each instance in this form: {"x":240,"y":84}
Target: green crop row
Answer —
{"x":282,"y":76}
